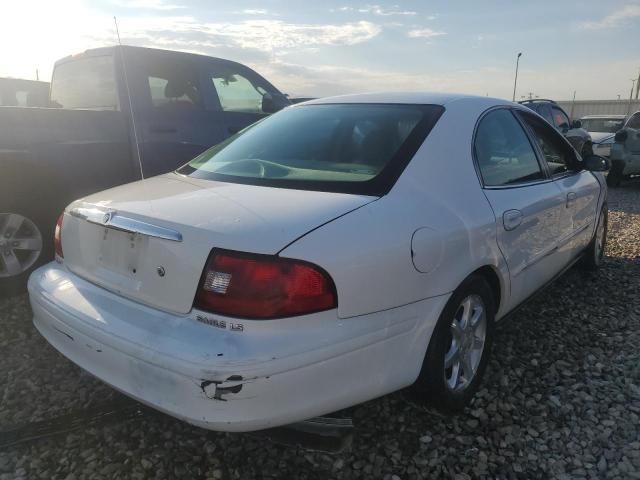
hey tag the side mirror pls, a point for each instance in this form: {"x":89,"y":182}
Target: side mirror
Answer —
{"x":273,"y":104}
{"x":564,"y":128}
{"x":576,"y":124}
{"x":596,"y":163}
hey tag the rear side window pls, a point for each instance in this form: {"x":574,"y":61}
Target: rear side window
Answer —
{"x":85,"y":83}
{"x":351,"y":148}
{"x":503,"y":151}
{"x":557,"y":153}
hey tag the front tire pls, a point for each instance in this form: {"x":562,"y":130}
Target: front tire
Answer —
{"x":459,"y":349}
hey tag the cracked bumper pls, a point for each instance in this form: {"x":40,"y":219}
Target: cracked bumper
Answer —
{"x":274,"y":372}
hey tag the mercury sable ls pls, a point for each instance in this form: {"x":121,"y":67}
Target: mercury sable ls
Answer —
{"x":332,"y":253}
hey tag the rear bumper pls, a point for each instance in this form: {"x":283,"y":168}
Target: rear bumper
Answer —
{"x":272,"y":373}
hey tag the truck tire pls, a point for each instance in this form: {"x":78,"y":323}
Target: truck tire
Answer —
{"x":26,"y":242}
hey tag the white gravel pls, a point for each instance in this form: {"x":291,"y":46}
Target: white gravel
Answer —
{"x":561,"y":399}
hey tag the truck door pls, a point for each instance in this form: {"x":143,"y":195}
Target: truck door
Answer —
{"x":170,"y":116}
{"x":240,"y":96}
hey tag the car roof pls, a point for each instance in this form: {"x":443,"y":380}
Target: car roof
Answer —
{"x":417,"y":98}
{"x":620,"y":117}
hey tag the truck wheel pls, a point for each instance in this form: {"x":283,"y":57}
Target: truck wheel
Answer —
{"x":594,"y":252}
{"x":23,"y":247}
{"x":459,"y":348}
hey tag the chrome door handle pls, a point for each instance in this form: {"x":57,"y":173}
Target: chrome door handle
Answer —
{"x":571,"y":197}
{"x":511,"y":219}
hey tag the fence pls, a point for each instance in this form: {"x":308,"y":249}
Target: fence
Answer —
{"x":580,"y":108}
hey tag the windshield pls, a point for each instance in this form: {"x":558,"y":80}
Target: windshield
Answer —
{"x":85,"y":83}
{"x":605,"y":125}
{"x":353,"y":148}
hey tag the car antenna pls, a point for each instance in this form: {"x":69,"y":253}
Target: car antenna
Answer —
{"x":126,"y":83}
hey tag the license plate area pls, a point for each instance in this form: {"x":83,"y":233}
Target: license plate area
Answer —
{"x":121,"y":252}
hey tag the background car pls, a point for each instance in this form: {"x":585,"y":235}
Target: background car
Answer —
{"x":337,"y":251}
{"x":602,"y":129}
{"x":625,"y":152}
{"x":556,"y":116}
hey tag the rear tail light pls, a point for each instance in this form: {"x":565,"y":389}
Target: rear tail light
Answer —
{"x":57,"y":238}
{"x":263,"y":286}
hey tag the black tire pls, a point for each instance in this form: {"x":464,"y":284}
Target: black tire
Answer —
{"x":594,"y":253}
{"x":614,"y":177}
{"x":431,"y":385}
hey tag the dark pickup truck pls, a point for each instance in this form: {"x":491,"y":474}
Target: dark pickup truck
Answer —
{"x":115,"y":115}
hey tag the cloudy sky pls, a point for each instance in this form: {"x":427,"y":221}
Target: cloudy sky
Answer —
{"x":330,"y":47}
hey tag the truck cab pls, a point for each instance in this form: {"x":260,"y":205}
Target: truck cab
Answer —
{"x":114,"y":115}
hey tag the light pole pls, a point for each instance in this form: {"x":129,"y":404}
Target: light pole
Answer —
{"x":515,"y":82}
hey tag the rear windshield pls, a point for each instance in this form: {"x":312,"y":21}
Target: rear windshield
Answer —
{"x":85,"y":83}
{"x":352,"y":148}
{"x":605,"y":125}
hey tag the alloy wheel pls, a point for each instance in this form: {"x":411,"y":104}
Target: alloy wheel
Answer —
{"x":468,"y":336}
{"x":20,"y":244}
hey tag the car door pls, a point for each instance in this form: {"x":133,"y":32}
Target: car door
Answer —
{"x":527,"y":205}
{"x":580,"y":188}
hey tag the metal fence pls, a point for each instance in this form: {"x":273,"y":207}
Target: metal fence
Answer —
{"x":580,"y":108}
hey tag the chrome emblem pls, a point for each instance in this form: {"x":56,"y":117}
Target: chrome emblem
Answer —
{"x":107,"y":218}
{"x":160,"y":271}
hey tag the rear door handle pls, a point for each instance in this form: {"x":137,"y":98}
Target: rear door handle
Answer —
{"x":511,"y":219}
{"x":571,"y":197}
{"x":163,"y":129}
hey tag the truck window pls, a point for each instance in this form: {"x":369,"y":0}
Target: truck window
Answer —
{"x":236,"y":92}
{"x":85,"y":83}
{"x":173,"y":88}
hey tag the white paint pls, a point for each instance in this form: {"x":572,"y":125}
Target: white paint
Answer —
{"x":153,"y":348}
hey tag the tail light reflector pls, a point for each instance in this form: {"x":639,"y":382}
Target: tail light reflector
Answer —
{"x":253,"y":286}
{"x":57,"y":237}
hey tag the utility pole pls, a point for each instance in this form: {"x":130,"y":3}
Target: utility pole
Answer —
{"x":37,"y":75}
{"x":638,"y":84}
{"x":572,"y":104}
{"x":515,"y":82}
{"x":633,"y":84}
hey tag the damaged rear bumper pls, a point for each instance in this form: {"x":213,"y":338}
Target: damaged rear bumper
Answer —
{"x":267,"y":374}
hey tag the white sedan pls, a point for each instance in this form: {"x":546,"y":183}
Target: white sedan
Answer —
{"x":334,"y":252}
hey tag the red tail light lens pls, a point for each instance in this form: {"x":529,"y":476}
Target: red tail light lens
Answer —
{"x":57,"y":237}
{"x":263,"y":286}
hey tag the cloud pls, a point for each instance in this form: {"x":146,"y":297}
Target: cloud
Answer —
{"x":424,"y":33}
{"x":377,"y":10}
{"x":147,"y":4}
{"x":264,"y":35}
{"x":253,"y":11}
{"x":613,"y":19}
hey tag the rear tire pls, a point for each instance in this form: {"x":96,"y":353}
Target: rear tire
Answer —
{"x":614,"y":177}
{"x":25,"y":244}
{"x":594,"y":253}
{"x":459,"y":349}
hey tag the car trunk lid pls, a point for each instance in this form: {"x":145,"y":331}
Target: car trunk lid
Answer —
{"x":149,"y":241}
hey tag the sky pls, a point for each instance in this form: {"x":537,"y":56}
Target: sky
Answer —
{"x":333,"y":47}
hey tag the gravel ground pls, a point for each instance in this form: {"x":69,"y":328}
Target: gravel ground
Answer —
{"x":561,"y":399}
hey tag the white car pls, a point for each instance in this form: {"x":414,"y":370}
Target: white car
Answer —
{"x":603,"y":128}
{"x":332,"y":253}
